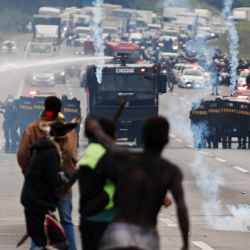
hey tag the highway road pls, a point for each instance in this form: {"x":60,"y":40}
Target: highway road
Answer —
{"x":216,"y":181}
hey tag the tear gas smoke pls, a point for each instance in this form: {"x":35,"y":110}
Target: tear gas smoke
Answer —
{"x":209,"y":181}
{"x":97,"y":38}
{"x":233,"y":43}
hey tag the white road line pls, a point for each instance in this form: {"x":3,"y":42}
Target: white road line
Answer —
{"x":189,"y":146}
{"x":171,"y":135}
{"x":168,"y":222}
{"x":221,"y":160}
{"x":175,"y":93}
{"x":202,"y":245}
{"x":204,"y":153}
{"x":179,"y":140}
{"x":240,"y":169}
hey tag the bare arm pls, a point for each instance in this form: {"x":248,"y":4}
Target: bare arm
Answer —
{"x":93,"y":126}
{"x":181,"y":210}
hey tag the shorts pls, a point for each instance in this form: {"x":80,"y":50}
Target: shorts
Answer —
{"x":124,"y":235}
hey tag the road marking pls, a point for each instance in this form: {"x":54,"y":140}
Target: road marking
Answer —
{"x":179,"y":140}
{"x":171,"y":135}
{"x":202,"y":245}
{"x":204,"y":153}
{"x":168,"y":222}
{"x":221,"y":160}
{"x":240,"y":169}
{"x":175,"y":93}
{"x":189,"y":146}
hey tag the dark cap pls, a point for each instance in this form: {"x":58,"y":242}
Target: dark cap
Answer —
{"x":53,"y":103}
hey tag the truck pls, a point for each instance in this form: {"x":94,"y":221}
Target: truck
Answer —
{"x":118,"y":24}
{"x":47,"y":28}
{"x":49,"y":11}
{"x":115,"y":49}
{"x":138,"y":84}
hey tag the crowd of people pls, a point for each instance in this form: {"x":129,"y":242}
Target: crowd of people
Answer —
{"x":121,"y":192}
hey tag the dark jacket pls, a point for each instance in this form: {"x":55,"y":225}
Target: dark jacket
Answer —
{"x":44,"y":177}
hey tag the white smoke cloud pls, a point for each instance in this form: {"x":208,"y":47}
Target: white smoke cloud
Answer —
{"x":209,"y":181}
{"x":233,"y":43}
{"x":238,"y":220}
{"x":97,"y":37}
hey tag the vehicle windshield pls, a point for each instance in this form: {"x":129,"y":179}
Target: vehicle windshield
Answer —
{"x":138,"y":90}
{"x":41,"y":48}
{"x":170,"y":33}
{"x":244,"y":74}
{"x":134,"y":55}
{"x":140,"y":23}
{"x":191,"y":72}
{"x":125,"y":83}
{"x":110,"y":31}
{"x":83,"y":31}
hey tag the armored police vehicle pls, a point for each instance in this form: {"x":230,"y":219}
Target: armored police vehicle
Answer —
{"x":140,"y":85}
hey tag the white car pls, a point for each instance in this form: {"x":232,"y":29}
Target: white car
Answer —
{"x":192,"y":78}
{"x":180,"y":67}
{"x":41,"y":79}
{"x":242,"y":78}
{"x":9,"y":47}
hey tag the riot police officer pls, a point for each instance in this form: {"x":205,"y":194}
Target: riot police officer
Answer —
{"x":10,"y":126}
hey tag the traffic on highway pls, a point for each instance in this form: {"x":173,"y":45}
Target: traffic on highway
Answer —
{"x":128,"y":64}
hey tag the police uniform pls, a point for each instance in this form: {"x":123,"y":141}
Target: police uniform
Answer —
{"x":10,"y":126}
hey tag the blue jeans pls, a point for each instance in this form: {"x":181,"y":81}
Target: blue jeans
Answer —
{"x":65,"y":210}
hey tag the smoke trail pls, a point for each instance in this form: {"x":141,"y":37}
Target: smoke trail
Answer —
{"x":97,"y":38}
{"x":233,"y":43}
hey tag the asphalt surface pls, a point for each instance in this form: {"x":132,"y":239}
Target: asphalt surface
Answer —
{"x":216,"y":181}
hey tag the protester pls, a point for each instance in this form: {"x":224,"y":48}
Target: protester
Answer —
{"x":43,"y":179}
{"x":52,"y":112}
{"x":96,"y":183}
{"x":146,"y":178}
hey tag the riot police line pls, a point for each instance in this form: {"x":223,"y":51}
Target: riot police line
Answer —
{"x":19,"y":113}
{"x":219,"y":123}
